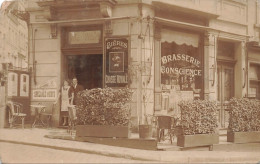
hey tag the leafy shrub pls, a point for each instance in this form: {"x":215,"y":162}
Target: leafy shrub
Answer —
{"x":198,"y":117}
{"x":104,"y":106}
{"x":244,"y":115}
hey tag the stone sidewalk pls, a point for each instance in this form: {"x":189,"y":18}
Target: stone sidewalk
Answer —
{"x":36,"y":137}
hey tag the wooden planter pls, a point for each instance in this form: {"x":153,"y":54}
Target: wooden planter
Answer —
{"x":102,"y":131}
{"x":145,"y":131}
{"x":197,"y":140}
{"x":243,"y":137}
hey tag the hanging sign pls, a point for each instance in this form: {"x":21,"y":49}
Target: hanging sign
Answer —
{"x":116,"y":50}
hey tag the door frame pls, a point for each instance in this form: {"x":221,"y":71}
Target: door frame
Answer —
{"x":223,"y":104}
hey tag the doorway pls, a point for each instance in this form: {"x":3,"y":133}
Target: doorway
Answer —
{"x":88,"y":69}
{"x":225,"y":87}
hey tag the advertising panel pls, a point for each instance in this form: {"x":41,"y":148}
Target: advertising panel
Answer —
{"x":12,"y":84}
{"x":116,"y":50}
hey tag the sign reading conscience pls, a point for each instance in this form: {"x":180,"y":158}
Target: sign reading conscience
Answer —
{"x":181,"y":66}
{"x":116,"y":62}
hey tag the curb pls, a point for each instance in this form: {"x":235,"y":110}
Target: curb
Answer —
{"x":100,"y":152}
{"x":175,"y":158}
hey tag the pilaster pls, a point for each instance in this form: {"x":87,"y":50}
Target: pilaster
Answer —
{"x":210,"y":66}
{"x":157,"y":67}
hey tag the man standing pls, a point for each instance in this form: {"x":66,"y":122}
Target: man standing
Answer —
{"x":74,"y":89}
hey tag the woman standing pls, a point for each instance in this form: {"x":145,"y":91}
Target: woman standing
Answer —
{"x":65,"y":102}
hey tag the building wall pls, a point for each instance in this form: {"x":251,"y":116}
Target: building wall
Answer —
{"x":13,"y":36}
{"x":226,"y":20}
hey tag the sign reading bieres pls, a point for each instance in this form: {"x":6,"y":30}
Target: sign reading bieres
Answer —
{"x":116,"y":62}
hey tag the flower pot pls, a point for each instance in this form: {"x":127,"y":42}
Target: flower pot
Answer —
{"x":243,"y":137}
{"x":197,"y":140}
{"x":102,"y":131}
{"x":145,"y":131}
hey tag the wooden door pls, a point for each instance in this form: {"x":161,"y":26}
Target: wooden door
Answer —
{"x":225,"y":86}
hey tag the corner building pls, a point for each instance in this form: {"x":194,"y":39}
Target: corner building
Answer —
{"x":165,"y":51}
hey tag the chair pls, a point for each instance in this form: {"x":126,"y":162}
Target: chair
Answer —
{"x":165,"y":123}
{"x":72,"y":118}
{"x":48,"y":115}
{"x":15,"y":113}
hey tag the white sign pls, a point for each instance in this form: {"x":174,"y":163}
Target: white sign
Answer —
{"x":48,"y":84}
{"x":84,"y":37}
{"x":12,"y":84}
{"x":44,"y":94}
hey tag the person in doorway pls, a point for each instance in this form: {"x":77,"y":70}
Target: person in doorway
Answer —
{"x":66,"y":100}
{"x":74,"y":89}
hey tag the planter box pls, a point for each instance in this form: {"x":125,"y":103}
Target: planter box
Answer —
{"x":145,"y":131}
{"x":102,"y":131}
{"x":197,"y":140}
{"x":243,"y":137}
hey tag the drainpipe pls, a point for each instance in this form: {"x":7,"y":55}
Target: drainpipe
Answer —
{"x":34,"y":61}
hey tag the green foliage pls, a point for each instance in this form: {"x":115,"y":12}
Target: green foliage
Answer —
{"x":198,"y":117}
{"x":104,"y":106}
{"x":244,"y":115}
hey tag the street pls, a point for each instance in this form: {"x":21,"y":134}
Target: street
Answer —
{"x":18,"y":153}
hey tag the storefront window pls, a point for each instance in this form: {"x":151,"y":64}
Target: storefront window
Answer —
{"x":181,"y":64}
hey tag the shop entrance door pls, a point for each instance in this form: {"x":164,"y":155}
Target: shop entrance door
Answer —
{"x":225,"y":86}
{"x":88,"y":69}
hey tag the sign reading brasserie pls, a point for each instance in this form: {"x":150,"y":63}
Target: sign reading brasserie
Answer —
{"x":116,"y":50}
{"x":181,"y":66}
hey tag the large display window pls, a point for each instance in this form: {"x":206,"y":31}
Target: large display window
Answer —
{"x":181,"y":68}
{"x":181,"y":61}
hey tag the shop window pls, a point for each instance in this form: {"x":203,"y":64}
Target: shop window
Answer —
{"x":254,"y":81}
{"x":181,"y":63}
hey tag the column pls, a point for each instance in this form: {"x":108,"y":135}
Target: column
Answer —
{"x":210,"y":67}
{"x":157,"y":67}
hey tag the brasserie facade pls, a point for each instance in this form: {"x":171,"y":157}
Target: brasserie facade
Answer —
{"x":165,"y":51}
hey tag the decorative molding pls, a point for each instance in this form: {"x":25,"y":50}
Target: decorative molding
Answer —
{"x":157,"y":31}
{"x":209,"y":39}
{"x":108,"y":27}
{"x":105,"y":9}
{"x":54,"y":31}
{"x":23,"y":15}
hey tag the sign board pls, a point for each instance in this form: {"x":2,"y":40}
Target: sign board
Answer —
{"x":116,"y":50}
{"x":44,"y":94}
{"x":84,"y":37}
{"x":12,"y":84}
{"x":45,"y":91}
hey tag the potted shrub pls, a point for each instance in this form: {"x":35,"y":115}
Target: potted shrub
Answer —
{"x":244,"y":122}
{"x":199,"y":123}
{"x":103,"y":113}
